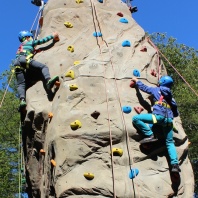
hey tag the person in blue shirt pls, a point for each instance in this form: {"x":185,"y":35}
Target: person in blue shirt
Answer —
{"x":24,"y":60}
{"x":164,"y":110}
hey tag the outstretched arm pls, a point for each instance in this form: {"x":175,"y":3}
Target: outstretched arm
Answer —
{"x":46,"y":39}
{"x":143,"y":87}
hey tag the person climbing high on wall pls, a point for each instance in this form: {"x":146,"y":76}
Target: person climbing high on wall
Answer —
{"x":164,"y":110}
{"x":24,"y":60}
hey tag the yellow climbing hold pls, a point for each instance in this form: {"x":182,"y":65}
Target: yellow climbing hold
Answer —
{"x":76,"y":125}
{"x":76,"y":62}
{"x":70,"y":48}
{"x":79,"y":1}
{"x":89,"y":176}
{"x":53,"y":162}
{"x":68,"y":25}
{"x":117,"y":151}
{"x":70,"y":73}
{"x":73,"y":87}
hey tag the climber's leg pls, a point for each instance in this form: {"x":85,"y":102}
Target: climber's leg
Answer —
{"x":35,"y":65}
{"x":140,"y":122}
{"x":168,"y":134}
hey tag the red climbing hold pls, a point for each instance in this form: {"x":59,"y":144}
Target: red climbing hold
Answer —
{"x":138,"y":109}
{"x":120,"y":14}
{"x":143,"y":49}
{"x":153,"y":73}
{"x":132,"y":84}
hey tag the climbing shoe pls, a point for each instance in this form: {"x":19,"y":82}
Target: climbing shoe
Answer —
{"x":22,"y":105}
{"x":51,"y":82}
{"x":175,"y":168}
{"x":148,"y":139}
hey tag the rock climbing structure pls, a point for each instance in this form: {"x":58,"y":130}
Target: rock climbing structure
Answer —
{"x":79,"y":141}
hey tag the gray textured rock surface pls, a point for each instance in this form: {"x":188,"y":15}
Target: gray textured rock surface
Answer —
{"x":103,"y":78}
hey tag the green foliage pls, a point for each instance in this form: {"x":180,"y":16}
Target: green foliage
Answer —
{"x":9,"y":142}
{"x":185,"y":60}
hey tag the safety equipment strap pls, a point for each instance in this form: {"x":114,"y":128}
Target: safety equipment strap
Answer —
{"x":154,"y":119}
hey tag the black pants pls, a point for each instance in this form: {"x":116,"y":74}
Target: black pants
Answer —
{"x":21,"y":75}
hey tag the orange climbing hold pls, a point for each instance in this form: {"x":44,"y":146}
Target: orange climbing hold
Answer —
{"x":143,"y":49}
{"x":57,"y":84}
{"x":53,"y":162}
{"x":50,"y":115}
{"x":138,"y":109}
{"x":42,"y":152}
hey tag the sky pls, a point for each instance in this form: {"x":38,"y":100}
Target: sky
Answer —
{"x":178,"y":18}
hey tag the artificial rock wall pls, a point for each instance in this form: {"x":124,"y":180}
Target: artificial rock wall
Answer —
{"x":94,"y":87}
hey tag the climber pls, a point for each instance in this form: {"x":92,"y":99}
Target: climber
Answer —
{"x":164,"y":109}
{"x":24,"y":60}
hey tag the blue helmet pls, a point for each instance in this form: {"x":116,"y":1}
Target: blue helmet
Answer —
{"x":165,"y":81}
{"x":24,"y":34}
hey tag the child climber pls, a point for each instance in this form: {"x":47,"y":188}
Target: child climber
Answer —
{"x":164,"y":109}
{"x":24,"y":60}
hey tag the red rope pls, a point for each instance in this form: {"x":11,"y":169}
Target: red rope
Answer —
{"x":173,"y":68}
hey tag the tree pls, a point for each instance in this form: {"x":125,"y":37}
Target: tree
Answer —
{"x":185,"y":60}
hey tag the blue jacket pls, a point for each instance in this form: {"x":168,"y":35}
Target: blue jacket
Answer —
{"x":157,"y":92}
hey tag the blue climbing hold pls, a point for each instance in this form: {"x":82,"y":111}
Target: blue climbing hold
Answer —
{"x":101,"y":1}
{"x":126,"y":109}
{"x":123,"y":20}
{"x":126,"y":43}
{"x":136,"y":73}
{"x":133,"y":173}
{"x":97,"y":34}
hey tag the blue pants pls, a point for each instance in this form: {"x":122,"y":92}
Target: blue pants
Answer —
{"x":167,"y":127}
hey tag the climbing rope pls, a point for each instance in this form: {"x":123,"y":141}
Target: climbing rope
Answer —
{"x":115,"y":80}
{"x":172,"y":66}
{"x":4,"y":95}
{"x":107,"y":99}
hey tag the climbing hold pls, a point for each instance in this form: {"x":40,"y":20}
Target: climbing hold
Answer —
{"x":53,"y":162}
{"x":76,"y":62}
{"x":153,"y":72}
{"x":70,"y":73}
{"x":189,"y":143}
{"x":95,"y":114}
{"x":73,"y":87}
{"x":50,"y":115}
{"x":126,"y":43}
{"x":76,"y":125}
{"x":120,"y":14}
{"x":136,"y":73}
{"x":126,"y":109}
{"x":123,"y":20}
{"x":117,"y":151}
{"x":41,"y":21}
{"x":89,"y":176}
{"x":79,"y":1}
{"x":57,"y":84}
{"x":133,"y":173}
{"x":143,"y":49}
{"x":70,"y":48}
{"x":101,"y":1}
{"x":97,"y":34}
{"x":138,"y":109}
{"x":68,"y":24}
{"x":132,"y":84}
{"x":42,"y":152}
